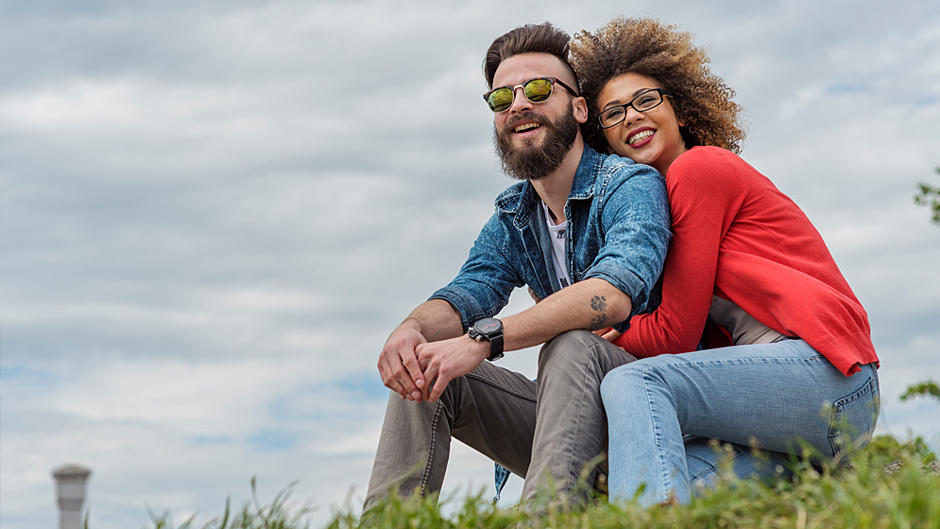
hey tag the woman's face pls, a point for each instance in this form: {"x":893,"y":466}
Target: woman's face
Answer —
{"x":650,"y":137}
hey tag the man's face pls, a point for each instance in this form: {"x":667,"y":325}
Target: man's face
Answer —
{"x":533,"y":138}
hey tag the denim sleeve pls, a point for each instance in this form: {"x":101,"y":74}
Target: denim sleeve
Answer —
{"x":486,"y":279}
{"x":635,"y":221}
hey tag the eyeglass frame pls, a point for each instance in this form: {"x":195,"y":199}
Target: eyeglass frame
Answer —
{"x":512,"y":89}
{"x":663,"y":94}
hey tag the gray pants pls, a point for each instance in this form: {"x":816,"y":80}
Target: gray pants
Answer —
{"x":547,"y":432}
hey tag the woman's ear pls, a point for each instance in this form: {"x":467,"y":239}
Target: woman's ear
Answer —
{"x":687,"y":138}
{"x":680,"y":120}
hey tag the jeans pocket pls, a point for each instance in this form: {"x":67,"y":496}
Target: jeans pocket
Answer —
{"x":852,"y":419}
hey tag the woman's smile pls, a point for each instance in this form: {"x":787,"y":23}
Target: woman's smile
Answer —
{"x":651,"y":137}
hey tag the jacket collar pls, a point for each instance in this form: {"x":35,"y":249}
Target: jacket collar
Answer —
{"x":521,"y":199}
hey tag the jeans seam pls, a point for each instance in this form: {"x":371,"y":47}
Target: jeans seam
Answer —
{"x":501,"y":387}
{"x":427,"y":467}
{"x":657,"y":433}
{"x":711,"y":468}
{"x":763,"y":359}
{"x":579,"y":415}
{"x":714,"y":468}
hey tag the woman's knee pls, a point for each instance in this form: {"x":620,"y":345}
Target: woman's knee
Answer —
{"x":622,"y":383}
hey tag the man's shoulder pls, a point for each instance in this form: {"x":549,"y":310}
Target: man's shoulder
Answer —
{"x":622,"y":166}
{"x":509,"y":200}
{"x":615,"y":170}
{"x":598,"y":172}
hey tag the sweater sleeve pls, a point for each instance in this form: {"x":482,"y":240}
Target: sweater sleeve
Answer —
{"x":704,"y":196}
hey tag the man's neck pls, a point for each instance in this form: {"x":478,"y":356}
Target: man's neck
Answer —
{"x":556,"y":186}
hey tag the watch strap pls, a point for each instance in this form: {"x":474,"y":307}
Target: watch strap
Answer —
{"x":496,"y":348}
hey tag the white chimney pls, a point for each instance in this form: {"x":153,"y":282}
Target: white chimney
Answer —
{"x":70,"y":481}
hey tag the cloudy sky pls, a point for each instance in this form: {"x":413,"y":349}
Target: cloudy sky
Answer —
{"x":213,"y":213}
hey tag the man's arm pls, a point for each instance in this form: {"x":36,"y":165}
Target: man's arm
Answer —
{"x":432,"y":320}
{"x":635,"y":222}
{"x":436,"y":319}
{"x":590,"y":304}
{"x":480,"y":289}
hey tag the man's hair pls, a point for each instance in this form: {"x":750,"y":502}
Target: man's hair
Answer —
{"x":530,"y":38}
{"x":702,"y":101}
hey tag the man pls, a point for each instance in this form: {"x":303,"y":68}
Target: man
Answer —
{"x":587,"y":234}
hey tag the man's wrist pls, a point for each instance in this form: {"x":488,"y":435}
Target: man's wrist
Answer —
{"x":480,"y":349}
{"x":411,"y":323}
{"x":489,"y":330}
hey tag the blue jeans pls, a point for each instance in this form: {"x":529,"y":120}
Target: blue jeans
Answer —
{"x":661,"y":411}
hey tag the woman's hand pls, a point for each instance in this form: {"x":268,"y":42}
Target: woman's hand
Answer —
{"x":609,"y":334}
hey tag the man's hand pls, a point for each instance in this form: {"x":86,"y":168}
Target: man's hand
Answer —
{"x":448,"y":359}
{"x":398,"y":363}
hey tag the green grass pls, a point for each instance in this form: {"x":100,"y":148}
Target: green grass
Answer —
{"x":861,"y":496}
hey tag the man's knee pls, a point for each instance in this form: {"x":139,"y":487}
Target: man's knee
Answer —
{"x":580,"y":347}
{"x":565,"y":348}
{"x":405,"y":409}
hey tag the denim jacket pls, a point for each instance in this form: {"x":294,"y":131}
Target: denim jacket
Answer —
{"x":618,"y":230}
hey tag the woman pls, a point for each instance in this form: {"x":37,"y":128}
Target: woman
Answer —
{"x":802,"y":367}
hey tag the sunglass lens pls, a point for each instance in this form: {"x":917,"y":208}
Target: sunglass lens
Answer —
{"x":538,"y":90}
{"x":500,"y":99}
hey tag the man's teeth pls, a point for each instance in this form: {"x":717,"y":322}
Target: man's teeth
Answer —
{"x":640,"y":136}
{"x":526,"y":126}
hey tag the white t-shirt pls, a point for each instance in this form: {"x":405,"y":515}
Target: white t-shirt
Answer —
{"x":744,"y":328}
{"x":558,"y":235}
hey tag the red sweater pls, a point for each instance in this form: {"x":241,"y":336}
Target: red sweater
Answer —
{"x":737,"y":236}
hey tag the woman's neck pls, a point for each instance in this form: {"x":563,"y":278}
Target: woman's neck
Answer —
{"x":664,"y":161}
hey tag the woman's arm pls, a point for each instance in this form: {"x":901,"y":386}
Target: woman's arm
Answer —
{"x":705,"y":194}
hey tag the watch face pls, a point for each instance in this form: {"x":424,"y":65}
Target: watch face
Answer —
{"x":488,"y":325}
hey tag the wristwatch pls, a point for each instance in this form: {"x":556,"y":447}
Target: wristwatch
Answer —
{"x":491,"y":330}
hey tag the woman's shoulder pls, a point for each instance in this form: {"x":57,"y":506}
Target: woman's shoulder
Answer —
{"x":712,"y":166}
{"x":706,"y":157}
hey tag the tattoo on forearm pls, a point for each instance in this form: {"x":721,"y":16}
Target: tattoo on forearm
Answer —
{"x":599,"y":320}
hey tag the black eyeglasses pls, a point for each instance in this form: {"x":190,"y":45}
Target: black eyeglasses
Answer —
{"x":535,"y":90}
{"x":644,"y":102}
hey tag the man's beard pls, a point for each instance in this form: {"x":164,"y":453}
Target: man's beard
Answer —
{"x":534,"y":162}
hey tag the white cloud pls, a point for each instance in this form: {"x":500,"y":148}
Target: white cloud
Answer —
{"x":213,"y":214}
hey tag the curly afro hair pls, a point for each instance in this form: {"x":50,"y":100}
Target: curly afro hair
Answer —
{"x":643,"y":46}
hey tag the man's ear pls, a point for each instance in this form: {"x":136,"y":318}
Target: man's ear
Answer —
{"x":579,"y":109}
